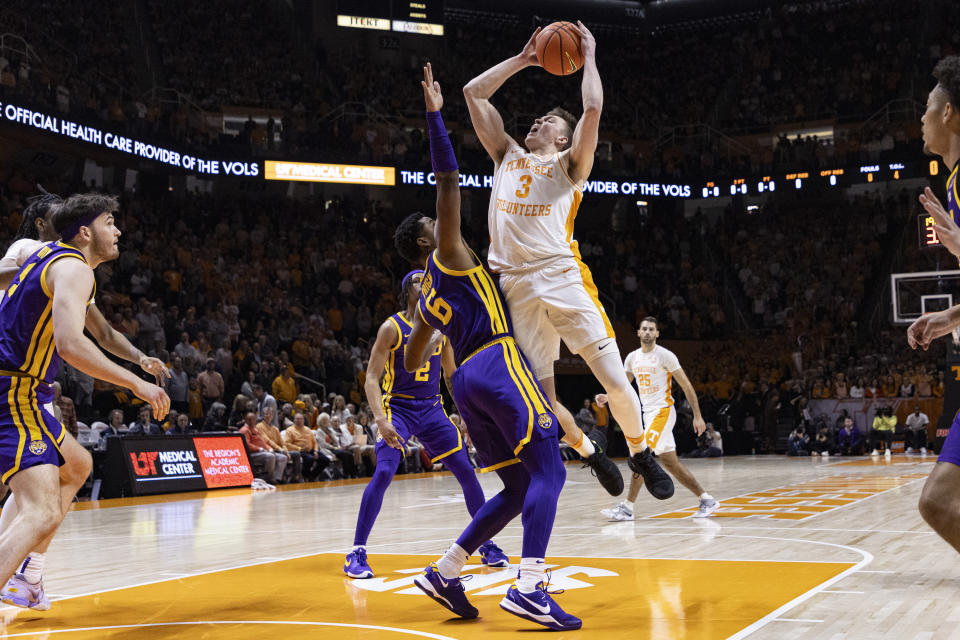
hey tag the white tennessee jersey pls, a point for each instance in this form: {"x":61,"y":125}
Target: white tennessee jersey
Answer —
{"x":532,"y":208}
{"x":653,"y":373}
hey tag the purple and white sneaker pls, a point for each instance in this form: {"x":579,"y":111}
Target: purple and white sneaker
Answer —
{"x":492,"y":555}
{"x":539,"y":607}
{"x":449,"y":593}
{"x":21,"y":593}
{"x":356,"y":564}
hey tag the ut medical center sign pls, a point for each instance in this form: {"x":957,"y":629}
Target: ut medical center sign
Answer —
{"x":165,"y":464}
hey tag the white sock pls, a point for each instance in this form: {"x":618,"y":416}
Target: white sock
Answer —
{"x":32,"y":567}
{"x":532,"y":572}
{"x":706,"y":496}
{"x":586,"y":448}
{"x":358,"y":547}
{"x":451,"y":564}
{"x":628,"y":504}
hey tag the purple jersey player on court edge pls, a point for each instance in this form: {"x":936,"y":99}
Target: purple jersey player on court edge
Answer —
{"x":510,"y":420}
{"x":42,"y":318}
{"x":406,"y":404}
{"x":940,"y":500}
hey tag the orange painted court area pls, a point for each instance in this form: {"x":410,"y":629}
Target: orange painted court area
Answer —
{"x":310,"y":597}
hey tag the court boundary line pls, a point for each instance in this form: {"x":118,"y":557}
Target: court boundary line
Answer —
{"x":341,"y":550}
{"x":866,"y":559}
{"x":667,"y":523}
{"x":412,"y":632}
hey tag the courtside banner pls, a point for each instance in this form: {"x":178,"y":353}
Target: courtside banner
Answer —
{"x":167,"y":464}
{"x":224,"y":462}
{"x":339,"y":173}
{"x":162,"y":464}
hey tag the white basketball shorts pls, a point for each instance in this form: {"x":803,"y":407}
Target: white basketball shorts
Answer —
{"x":556,"y":302}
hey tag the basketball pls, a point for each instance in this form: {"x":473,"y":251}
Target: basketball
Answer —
{"x":558,"y":49}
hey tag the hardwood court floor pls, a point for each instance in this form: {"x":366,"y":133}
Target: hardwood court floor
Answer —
{"x":802,"y":548}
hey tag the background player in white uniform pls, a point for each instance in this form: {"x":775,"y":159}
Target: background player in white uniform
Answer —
{"x":653,"y":368}
{"x":550,"y":291}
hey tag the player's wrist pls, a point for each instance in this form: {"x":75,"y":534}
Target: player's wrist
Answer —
{"x":524,"y":60}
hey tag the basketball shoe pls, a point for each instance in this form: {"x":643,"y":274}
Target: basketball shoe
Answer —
{"x":619,"y":512}
{"x":539,"y":607}
{"x":601,"y":466}
{"x":706,"y":508}
{"x":21,"y":593}
{"x":449,"y":593}
{"x":492,"y":555}
{"x":655,"y":479}
{"x":356,"y":564}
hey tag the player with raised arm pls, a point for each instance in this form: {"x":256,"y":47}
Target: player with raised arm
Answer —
{"x":940,"y":499}
{"x":654,"y":368}
{"x":550,"y":291}
{"x":42,"y":318}
{"x":510,"y":420}
{"x":406,"y":404}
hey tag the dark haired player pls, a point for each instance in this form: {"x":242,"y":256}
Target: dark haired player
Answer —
{"x":510,"y":419}
{"x":654,"y":369}
{"x":405,"y":404}
{"x":42,"y":318}
{"x":533,"y":204}
{"x":940,"y":500}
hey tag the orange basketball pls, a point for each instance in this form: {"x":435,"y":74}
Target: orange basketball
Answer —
{"x":558,"y":49}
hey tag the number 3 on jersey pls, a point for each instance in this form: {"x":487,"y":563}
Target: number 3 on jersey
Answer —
{"x":438,"y":307}
{"x":524,"y":190}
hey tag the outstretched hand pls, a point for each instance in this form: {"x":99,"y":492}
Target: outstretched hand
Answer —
{"x":155,"y":367}
{"x":928,"y":328}
{"x":529,"y":52}
{"x":947,"y":230}
{"x":431,"y":90}
{"x":588,"y":44}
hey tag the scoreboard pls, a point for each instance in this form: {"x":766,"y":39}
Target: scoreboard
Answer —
{"x":424,"y":17}
{"x":817,"y":179}
{"x":926,"y":231}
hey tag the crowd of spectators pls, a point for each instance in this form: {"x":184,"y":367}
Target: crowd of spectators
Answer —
{"x":786,"y":66}
{"x":249,"y":59}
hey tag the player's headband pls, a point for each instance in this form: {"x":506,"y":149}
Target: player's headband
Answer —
{"x":408,"y":277}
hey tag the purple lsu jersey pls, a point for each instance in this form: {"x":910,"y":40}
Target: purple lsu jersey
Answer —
{"x":500,"y":400}
{"x":411,"y":401}
{"x":396,"y":381}
{"x":953,"y":196}
{"x":26,"y":319}
{"x":951,"y":446}
{"x":470,"y":311}
{"x":29,"y":433}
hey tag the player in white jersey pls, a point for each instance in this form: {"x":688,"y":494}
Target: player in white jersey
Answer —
{"x":654,"y":368}
{"x":550,"y":291}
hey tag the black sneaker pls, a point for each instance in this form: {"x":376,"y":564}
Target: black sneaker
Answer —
{"x":658,"y":483}
{"x":601,"y":466}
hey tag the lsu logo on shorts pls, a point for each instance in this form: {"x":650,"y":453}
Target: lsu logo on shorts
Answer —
{"x":38,"y":447}
{"x":544,"y":421}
